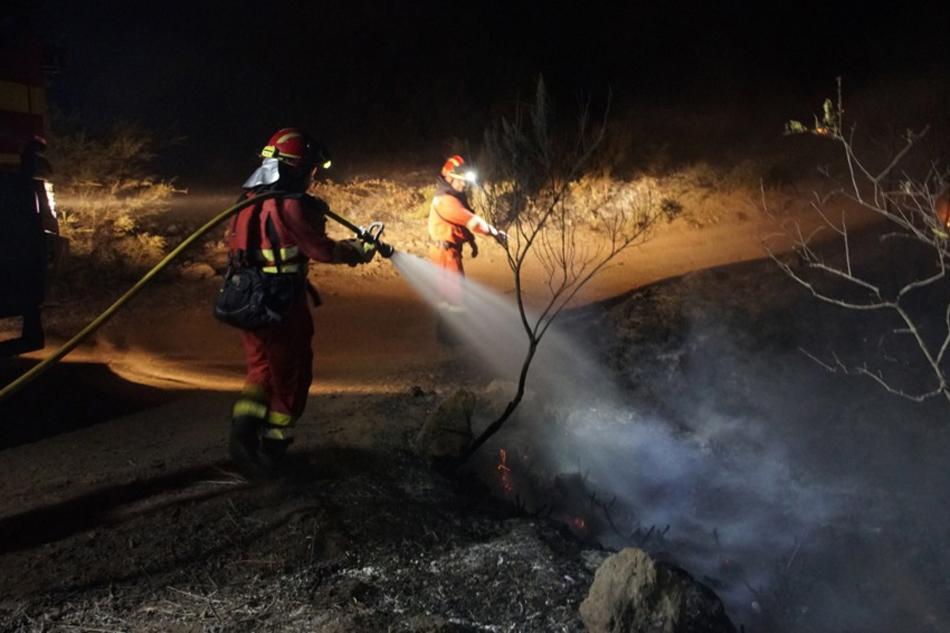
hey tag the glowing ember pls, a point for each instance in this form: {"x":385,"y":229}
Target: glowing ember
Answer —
{"x":505,"y":472}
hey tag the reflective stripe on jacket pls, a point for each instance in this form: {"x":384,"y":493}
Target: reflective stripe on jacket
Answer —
{"x":300,"y":225}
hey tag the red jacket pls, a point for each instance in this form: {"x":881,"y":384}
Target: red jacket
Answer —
{"x":300,"y":226}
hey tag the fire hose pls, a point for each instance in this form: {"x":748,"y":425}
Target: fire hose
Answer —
{"x":371,"y":234}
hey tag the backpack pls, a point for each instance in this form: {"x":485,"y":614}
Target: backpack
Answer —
{"x":251,"y":299}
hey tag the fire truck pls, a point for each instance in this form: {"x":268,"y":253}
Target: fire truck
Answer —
{"x":29,"y":230}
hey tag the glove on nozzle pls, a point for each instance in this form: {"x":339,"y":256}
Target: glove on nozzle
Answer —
{"x":371,"y":236}
{"x":359,"y":252}
{"x":367,"y":250}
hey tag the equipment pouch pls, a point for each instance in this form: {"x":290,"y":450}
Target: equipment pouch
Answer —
{"x":250,"y":299}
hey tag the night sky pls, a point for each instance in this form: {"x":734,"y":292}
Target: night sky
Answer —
{"x":385,"y":79}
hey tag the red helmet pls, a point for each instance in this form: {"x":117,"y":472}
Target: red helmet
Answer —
{"x":455,"y":167}
{"x":295,"y":148}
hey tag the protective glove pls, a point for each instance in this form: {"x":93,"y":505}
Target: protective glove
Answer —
{"x":500,"y":236}
{"x":367,"y":250}
{"x":353,"y":252}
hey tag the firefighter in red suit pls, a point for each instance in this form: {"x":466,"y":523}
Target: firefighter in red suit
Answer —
{"x":279,"y":357}
{"x":452,"y":224}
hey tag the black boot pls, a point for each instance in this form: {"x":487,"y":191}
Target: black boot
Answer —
{"x":244,"y":443}
{"x":272,"y":456}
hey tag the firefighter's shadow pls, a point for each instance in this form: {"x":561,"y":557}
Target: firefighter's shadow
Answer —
{"x":120,"y":503}
{"x":159,"y":502}
{"x":109,"y":506}
{"x":69,"y":396}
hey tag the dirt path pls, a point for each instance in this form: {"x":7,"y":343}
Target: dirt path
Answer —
{"x":373,"y":331}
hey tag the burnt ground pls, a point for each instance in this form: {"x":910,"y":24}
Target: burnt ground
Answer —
{"x":353,"y":540}
{"x":120,"y":512}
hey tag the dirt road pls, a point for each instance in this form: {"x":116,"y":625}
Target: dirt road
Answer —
{"x":373,"y":331}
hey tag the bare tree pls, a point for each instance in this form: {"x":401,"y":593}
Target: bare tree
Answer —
{"x":533,"y":173}
{"x":905,"y":193}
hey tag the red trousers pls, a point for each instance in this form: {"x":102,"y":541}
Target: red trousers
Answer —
{"x":280,"y":360}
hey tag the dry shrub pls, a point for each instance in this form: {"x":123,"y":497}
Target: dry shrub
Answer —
{"x":600,"y":199}
{"x":136,"y":251}
{"x":743,"y":176}
{"x":104,"y":192}
{"x":700,"y":193}
{"x":362,"y":201}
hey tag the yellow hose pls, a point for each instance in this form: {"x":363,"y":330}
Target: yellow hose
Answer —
{"x":67,"y":347}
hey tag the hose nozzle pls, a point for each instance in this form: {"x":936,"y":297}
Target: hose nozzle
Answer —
{"x":372,"y":235}
{"x":385,"y":250}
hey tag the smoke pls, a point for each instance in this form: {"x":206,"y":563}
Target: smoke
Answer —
{"x":805,"y":502}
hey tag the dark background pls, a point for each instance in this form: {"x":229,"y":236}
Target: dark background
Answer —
{"x":398,"y":84}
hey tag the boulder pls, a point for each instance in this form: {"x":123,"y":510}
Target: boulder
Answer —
{"x":632,"y":593}
{"x":447,"y":430}
{"x":198,"y":271}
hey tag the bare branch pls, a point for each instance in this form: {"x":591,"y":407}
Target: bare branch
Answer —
{"x":908,"y":211}
{"x":534,"y":197}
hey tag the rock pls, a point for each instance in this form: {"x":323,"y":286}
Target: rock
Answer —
{"x":198,"y":271}
{"x":217,"y":258}
{"x":447,"y":430}
{"x":632,"y":593}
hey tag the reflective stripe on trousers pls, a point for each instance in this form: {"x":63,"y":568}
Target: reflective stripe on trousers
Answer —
{"x":279,"y":426}
{"x":280,"y":358}
{"x":251,"y":403}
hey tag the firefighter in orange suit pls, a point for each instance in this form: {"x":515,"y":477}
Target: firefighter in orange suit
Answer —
{"x":279,"y":357}
{"x":452,"y":224}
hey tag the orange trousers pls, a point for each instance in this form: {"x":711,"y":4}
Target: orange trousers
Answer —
{"x":450,"y":261}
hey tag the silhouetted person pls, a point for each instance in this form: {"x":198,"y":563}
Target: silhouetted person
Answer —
{"x":25,"y":216}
